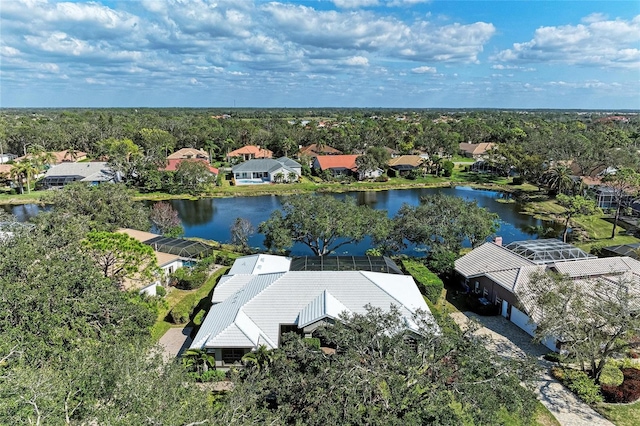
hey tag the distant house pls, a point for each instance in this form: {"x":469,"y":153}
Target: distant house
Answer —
{"x":188,"y":154}
{"x":405,"y":163}
{"x":94,"y":173}
{"x":265,"y":296}
{"x":313,"y":150}
{"x":249,"y":152}
{"x":343,"y":165}
{"x":500,"y":275}
{"x":338,"y":165}
{"x":263,"y":171}
{"x":167,"y":262}
{"x":475,"y":150}
{"x":60,"y":157}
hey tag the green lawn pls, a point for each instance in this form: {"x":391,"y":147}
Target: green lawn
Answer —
{"x":621,"y":414}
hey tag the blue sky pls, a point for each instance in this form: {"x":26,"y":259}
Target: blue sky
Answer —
{"x":320,"y":53}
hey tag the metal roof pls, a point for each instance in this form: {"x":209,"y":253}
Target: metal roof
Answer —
{"x":265,"y":165}
{"x":489,"y":257}
{"x":258,"y":308}
{"x":345,"y":263}
{"x":545,"y":251}
{"x":630,"y":250}
{"x":598,"y":267}
{"x":260,"y":264}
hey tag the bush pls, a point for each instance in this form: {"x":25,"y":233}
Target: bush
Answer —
{"x":313,"y":342}
{"x":611,"y":375}
{"x":554,"y":357}
{"x":160,"y":291}
{"x":189,"y":279}
{"x":197,"y":320}
{"x":212,"y":376}
{"x":518,"y":180}
{"x":628,"y":391}
{"x":579,"y":383}
{"x":429,"y":283}
{"x":382,"y":178}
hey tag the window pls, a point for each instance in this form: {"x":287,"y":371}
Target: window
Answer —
{"x":232,"y":355}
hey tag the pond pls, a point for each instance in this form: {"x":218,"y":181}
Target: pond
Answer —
{"x":211,"y":218}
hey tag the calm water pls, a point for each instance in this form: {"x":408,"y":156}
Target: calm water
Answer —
{"x":212,"y":218}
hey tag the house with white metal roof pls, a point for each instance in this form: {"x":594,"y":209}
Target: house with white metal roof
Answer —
{"x":266,"y":170}
{"x":500,"y":275}
{"x":254,"y":307}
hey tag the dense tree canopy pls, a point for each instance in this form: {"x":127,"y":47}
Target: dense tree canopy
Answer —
{"x":321,"y":222}
{"x":380,"y":374}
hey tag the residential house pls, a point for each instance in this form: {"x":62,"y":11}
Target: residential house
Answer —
{"x":343,"y":165}
{"x":5,"y":158}
{"x":188,"y":154}
{"x":249,"y":152}
{"x":475,"y":150}
{"x":313,"y":150}
{"x":94,"y":172}
{"x":501,"y":275}
{"x":263,"y":171}
{"x":403,"y":164}
{"x":59,"y":157}
{"x":254,"y":307}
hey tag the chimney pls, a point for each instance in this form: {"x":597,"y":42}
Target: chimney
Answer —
{"x":498,"y":241}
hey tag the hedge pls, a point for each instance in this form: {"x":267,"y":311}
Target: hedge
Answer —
{"x":183,"y":310}
{"x":429,"y":283}
{"x":628,"y":391}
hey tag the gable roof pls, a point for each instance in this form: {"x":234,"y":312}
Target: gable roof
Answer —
{"x":256,"y":151}
{"x":489,"y":257}
{"x":260,"y":264}
{"x":598,"y":267}
{"x":337,"y":162}
{"x":263,"y":302}
{"x":406,"y":160}
{"x":191,"y":153}
{"x":476,"y":148}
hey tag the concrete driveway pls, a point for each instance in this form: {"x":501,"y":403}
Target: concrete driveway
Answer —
{"x":506,"y":339}
{"x":175,"y":341}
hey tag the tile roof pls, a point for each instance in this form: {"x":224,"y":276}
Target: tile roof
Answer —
{"x":189,"y":153}
{"x":141,"y":236}
{"x":313,"y":150}
{"x":476,"y":148}
{"x":337,"y":162}
{"x":406,"y":160}
{"x":172,"y":164}
{"x":256,"y":151}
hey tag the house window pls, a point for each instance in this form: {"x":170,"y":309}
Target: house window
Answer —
{"x":477,"y":287}
{"x":232,"y":355}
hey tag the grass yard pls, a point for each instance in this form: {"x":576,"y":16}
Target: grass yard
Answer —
{"x":621,"y":414}
{"x":175,"y":296}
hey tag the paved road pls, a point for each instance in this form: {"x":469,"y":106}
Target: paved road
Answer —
{"x":509,"y":340}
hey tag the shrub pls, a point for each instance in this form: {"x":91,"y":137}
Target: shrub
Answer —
{"x":160,"y":291}
{"x":313,"y":342}
{"x":554,"y":357}
{"x":518,"y":180}
{"x":382,"y":178}
{"x":429,"y":283}
{"x":189,"y":279}
{"x":628,"y":391}
{"x":197,"y":320}
{"x":212,"y":376}
{"x":579,"y":383}
{"x":611,"y":375}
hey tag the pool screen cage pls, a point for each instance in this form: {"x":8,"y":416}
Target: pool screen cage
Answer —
{"x":548,"y":250}
{"x":181,"y":247}
{"x":345,"y":263}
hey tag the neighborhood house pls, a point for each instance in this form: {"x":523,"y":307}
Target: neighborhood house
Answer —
{"x":265,"y":296}
{"x":263,"y":171}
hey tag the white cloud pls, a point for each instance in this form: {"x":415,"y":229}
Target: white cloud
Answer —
{"x":424,"y":70}
{"x":596,"y":43}
{"x":359,"y":61}
{"x":355,"y":4}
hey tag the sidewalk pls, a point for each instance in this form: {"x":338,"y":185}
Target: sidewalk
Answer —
{"x":510,"y":341}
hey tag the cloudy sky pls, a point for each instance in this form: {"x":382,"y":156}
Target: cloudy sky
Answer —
{"x":320,"y":53}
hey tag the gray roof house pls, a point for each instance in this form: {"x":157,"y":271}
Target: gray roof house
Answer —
{"x":501,"y":275}
{"x":92,"y":172}
{"x":267,"y":170}
{"x":262,"y":298}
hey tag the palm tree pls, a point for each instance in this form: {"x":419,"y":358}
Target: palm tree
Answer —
{"x":559,"y":179}
{"x":198,"y":360}
{"x":23,"y":170}
{"x":260,"y":358}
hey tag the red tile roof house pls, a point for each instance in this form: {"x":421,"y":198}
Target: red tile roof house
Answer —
{"x":188,"y":154}
{"x":342,"y":165}
{"x":249,"y":152}
{"x":314,"y":150}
